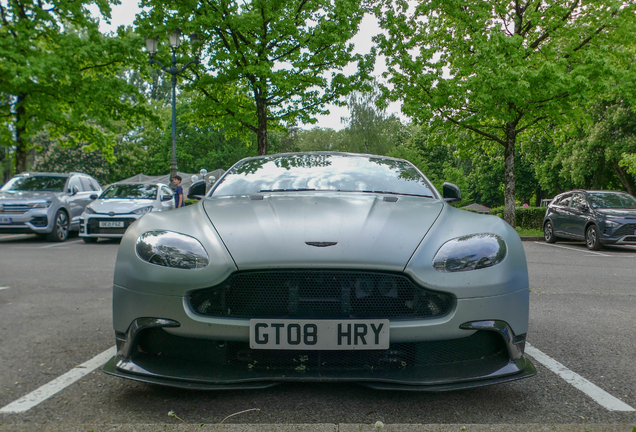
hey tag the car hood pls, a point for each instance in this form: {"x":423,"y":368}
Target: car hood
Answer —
{"x":618,"y":213}
{"x":343,"y":229}
{"x":21,"y":196}
{"x":119,"y":205}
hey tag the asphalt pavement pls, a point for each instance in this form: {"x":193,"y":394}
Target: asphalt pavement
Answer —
{"x":55,"y":322}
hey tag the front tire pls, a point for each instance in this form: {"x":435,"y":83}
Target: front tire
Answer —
{"x":60,"y":227}
{"x":548,"y":233}
{"x":591,"y":238}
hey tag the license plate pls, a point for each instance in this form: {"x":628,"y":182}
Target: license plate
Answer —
{"x":111,"y":224}
{"x":6,"y":220}
{"x":319,"y":334}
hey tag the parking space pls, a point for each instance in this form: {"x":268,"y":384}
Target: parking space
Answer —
{"x":55,"y":318}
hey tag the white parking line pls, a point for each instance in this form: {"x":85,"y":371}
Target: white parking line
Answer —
{"x":9,"y":237}
{"x":38,"y":396}
{"x":603,"y":398}
{"x":3,"y":288}
{"x":60,"y":244}
{"x":573,"y":249}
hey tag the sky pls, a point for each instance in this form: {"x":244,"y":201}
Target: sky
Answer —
{"x":124,"y":14}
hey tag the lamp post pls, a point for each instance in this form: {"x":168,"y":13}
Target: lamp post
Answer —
{"x":151,"y":46}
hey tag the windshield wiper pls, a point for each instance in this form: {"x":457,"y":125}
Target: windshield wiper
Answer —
{"x":394,"y":193}
{"x":287,"y":190}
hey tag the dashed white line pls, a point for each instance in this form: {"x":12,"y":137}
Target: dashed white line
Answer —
{"x":38,"y":396}
{"x":573,"y":249}
{"x":603,"y":398}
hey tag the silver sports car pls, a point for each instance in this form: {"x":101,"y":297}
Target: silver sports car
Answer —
{"x":321,"y":267}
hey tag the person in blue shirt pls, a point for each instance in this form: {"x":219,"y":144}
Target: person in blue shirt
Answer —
{"x":179,"y":201}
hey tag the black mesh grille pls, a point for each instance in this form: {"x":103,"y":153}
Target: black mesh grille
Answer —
{"x":93,"y":225}
{"x":627,"y":229}
{"x":482,"y":345}
{"x":320,"y":294}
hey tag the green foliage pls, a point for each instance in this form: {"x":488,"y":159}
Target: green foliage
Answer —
{"x":267,"y":63}
{"x":527,"y":217}
{"x":62,"y":75}
{"x":499,"y":70}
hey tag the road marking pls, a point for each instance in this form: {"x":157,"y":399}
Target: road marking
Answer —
{"x":573,"y":249}
{"x":60,"y":244}
{"x":3,"y":288}
{"x":38,"y":396}
{"x":599,"y":395}
{"x":13,"y":236}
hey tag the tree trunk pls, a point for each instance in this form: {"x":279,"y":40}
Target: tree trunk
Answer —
{"x":261,"y":133}
{"x":624,"y":178}
{"x":22,"y":145}
{"x":509,"y":154}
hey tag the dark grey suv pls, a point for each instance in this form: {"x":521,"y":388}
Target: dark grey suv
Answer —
{"x":598,"y":217}
{"x":47,"y":204}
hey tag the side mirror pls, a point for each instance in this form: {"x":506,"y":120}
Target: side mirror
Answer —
{"x":94,"y":196}
{"x":166,"y":197}
{"x":197,"y":190}
{"x":73,"y":191}
{"x":451,"y":193}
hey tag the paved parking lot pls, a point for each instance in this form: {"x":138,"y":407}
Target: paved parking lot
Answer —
{"x":56,"y":332}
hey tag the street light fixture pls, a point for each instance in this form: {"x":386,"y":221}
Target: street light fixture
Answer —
{"x":174,"y":40}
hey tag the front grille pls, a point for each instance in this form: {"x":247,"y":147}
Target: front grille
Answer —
{"x":93,"y":225}
{"x":629,"y":239}
{"x":320,"y":294}
{"x":627,"y":229}
{"x":157,"y":343}
{"x":16,"y":208}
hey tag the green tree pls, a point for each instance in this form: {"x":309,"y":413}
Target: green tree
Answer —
{"x":267,"y":63}
{"x":59,"y":73}
{"x":369,"y":128}
{"x":497,"y":69}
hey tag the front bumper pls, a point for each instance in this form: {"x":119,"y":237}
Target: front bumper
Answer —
{"x":90,"y":225}
{"x":466,"y":348}
{"x":32,"y":221}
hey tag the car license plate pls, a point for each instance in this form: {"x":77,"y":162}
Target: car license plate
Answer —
{"x":332,"y":335}
{"x":6,"y":220}
{"x":111,"y":224}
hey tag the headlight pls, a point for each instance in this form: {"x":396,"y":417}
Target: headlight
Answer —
{"x":611,"y":224}
{"x":143,"y":210}
{"x":470,"y":252}
{"x":89,"y":210}
{"x":171,"y":249}
{"x":43,"y":205}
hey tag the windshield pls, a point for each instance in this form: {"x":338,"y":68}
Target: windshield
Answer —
{"x":131,"y":191}
{"x":35,"y":183}
{"x":612,"y":200}
{"x":324,"y":172}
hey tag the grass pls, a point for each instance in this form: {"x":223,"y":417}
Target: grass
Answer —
{"x":529,"y":232}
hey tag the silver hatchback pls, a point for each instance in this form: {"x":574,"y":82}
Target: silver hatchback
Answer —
{"x":47,"y":204}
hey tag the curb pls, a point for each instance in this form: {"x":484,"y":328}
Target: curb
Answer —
{"x":531,"y":238}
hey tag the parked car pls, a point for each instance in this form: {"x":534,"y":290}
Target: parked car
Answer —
{"x":321,"y":267}
{"x":597,"y":217}
{"x":46,"y":204}
{"x":120,"y":205}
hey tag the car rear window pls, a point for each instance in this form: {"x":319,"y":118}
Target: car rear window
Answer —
{"x":324,"y":172}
